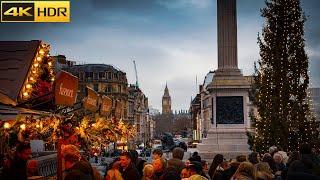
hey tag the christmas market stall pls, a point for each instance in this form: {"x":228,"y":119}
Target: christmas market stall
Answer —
{"x":40,"y":105}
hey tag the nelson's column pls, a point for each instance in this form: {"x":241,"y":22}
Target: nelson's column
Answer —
{"x":229,"y":92}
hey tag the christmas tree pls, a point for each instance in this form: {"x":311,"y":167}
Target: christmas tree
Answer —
{"x":283,"y":115}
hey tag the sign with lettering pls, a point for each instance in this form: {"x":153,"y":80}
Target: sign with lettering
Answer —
{"x":106,"y":106}
{"x":65,"y":89}
{"x":91,"y":101}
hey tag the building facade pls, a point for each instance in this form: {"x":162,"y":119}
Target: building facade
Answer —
{"x":315,"y":102}
{"x":138,"y":115}
{"x":104,"y":79}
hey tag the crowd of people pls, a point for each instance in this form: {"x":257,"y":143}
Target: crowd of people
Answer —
{"x":275,"y":165}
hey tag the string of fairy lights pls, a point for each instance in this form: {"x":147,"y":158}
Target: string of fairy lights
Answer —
{"x":282,"y":79}
{"x":92,"y":131}
{"x":41,"y":61}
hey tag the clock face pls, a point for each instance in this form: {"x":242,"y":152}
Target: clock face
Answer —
{"x":165,"y":102}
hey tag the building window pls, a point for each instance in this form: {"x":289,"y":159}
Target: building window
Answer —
{"x":102,"y":75}
{"x":80,"y":76}
{"x":96,"y":87}
{"x":119,"y":88}
{"x":95,"y":76}
{"x":115,"y":76}
{"x":108,"y":89}
{"x":109,"y":75}
{"x":89,"y":75}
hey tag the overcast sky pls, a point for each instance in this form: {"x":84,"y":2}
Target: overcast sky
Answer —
{"x":172,"y":41}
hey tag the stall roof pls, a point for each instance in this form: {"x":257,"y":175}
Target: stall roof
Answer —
{"x":8,"y":112}
{"x":15,"y":60}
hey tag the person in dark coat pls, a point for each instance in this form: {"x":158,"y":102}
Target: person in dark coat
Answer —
{"x":129,"y":171}
{"x":228,"y":173}
{"x":159,"y":165}
{"x":307,"y":166}
{"x":76,"y":167}
{"x":81,"y":170}
{"x":176,"y":161}
{"x":216,"y":162}
{"x":16,"y":168}
{"x":196,"y":156}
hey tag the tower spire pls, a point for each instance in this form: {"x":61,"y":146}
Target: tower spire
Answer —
{"x":166,"y":101}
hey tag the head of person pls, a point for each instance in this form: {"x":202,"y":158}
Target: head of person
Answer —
{"x":158,"y":164}
{"x":262,"y":167}
{"x":204,"y":164}
{"x":195,"y":153}
{"x":134,"y":155}
{"x":241,"y":158}
{"x":23,"y":151}
{"x":70,"y":154}
{"x":194,"y":168}
{"x":253,"y":158}
{"x":157,"y":153}
{"x":263,"y":176}
{"x":113,"y":174}
{"x":188,"y":161}
{"x":267,"y":157}
{"x":125,"y":159}
{"x":285,"y":156}
{"x":178,"y":153}
{"x":273,"y":149}
{"x":148,"y":170}
{"x":116,"y":165}
{"x":184,"y":173}
{"x":225,"y":165}
{"x":245,"y":169}
{"x":218,"y":159}
{"x":277,"y":157}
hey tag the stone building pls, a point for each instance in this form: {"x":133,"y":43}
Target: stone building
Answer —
{"x":138,"y":114}
{"x":177,"y":123}
{"x":61,"y":62}
{"x":315,"y":101}
{"x":104,"y":79}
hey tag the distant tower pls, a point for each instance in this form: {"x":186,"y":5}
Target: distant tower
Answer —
{"x":166,"y":102}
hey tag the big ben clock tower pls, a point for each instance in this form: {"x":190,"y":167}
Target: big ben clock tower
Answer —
{"x":166,"y":102}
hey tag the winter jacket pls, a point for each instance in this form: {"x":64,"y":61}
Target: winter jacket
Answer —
{"x":131,"y":173}
{"x":176,"y":163}
{"x":81,"y":170}
{"x":16,"y":169}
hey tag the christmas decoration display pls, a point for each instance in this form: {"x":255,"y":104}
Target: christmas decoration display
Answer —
{"x":280,"y":95}
{"x":86,"y":132}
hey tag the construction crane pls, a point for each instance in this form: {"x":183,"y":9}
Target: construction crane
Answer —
{"x":135,"y":70}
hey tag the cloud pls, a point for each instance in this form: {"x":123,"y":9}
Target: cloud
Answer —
{"x":170,"y":40}
{"x":182,"y":4}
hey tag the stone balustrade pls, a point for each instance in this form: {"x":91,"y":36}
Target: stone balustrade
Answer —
{"x":47,"y":165}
